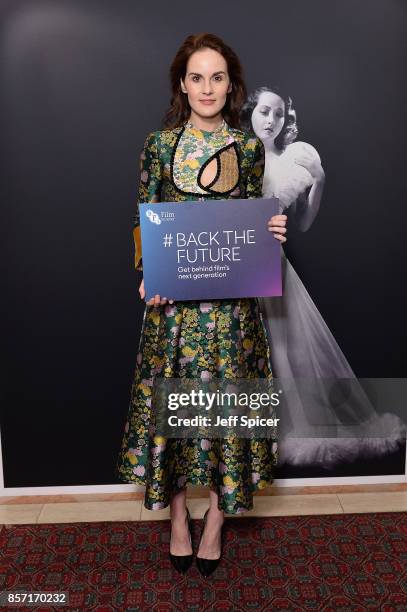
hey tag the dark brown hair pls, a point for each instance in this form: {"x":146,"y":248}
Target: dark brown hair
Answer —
{"x":180,"y":109}
{"x":289,"y":131}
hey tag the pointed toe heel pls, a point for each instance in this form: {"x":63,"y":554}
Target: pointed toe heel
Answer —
{"x":182,"y":563}
{"x":208,"y":566}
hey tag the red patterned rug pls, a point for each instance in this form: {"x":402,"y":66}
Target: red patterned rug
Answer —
{"x":334,"y":563}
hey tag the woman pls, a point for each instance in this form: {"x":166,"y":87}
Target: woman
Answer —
{"x":304,"y":352}
{"x":220,"y":339}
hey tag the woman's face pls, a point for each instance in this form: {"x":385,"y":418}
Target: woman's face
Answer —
{"x":206,"y":82}
{"x":268,"y":116}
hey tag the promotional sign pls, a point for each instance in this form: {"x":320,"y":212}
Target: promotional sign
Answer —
{"x":210,"y":249}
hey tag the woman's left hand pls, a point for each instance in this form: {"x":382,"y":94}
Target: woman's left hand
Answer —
{"x":277,"y":225}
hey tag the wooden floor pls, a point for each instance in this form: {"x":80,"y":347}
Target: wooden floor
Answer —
{"x":272,"y":501}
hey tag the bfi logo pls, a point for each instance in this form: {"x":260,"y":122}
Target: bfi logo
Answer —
{"x":167,"y":216}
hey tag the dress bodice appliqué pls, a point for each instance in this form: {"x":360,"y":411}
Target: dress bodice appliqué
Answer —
{"x":205,"y":163}
{"x":184,"y":163}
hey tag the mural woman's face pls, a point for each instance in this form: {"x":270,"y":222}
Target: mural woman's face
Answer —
{"x":268,"y":116}
{"x":207,"y":83}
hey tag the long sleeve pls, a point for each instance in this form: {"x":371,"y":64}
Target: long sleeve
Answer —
{"x":149,"y":188}
{"x":254,"y":184}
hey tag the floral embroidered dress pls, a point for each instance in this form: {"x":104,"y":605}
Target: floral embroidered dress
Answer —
{"x":193,"y":339}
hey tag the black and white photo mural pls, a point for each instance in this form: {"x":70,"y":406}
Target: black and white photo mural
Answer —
{"x":303,"y":350}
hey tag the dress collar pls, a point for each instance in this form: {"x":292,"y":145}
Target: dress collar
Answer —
{"x":223,"y":126}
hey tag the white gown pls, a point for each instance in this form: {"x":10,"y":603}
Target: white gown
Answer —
{"x":326,"y":421}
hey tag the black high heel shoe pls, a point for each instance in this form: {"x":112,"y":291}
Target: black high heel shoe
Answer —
{"x":182,"y":562}
{"x":208,"y":566}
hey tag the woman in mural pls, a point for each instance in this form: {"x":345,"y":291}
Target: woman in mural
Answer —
{"x":201,"y":155}
{"x":326,"y":422}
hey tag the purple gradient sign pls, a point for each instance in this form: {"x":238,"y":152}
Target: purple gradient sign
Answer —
{"x":210,"y":249}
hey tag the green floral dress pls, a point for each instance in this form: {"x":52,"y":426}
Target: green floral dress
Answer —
{"x":193,"y":339}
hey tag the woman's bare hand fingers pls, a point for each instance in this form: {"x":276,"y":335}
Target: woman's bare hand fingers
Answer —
{"x":279,"y":220}
{"x":153,"y":301}
{"x":142,"y":290}
{"x":277,"y":229}
{"x":280,"y":237}
{"x":277,"y":225}
{"x":157,"y":300}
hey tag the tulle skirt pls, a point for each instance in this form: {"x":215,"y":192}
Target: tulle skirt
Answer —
{"x":327,"y":416}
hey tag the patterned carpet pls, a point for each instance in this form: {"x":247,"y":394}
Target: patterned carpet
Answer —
{"x":334,"y":563}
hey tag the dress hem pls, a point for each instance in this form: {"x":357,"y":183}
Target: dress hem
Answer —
{"x":195,"y":481}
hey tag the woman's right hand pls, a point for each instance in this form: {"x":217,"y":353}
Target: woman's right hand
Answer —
{"x":156,"y":300}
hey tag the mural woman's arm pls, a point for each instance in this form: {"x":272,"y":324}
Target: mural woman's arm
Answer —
{"x":306,"y":208}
